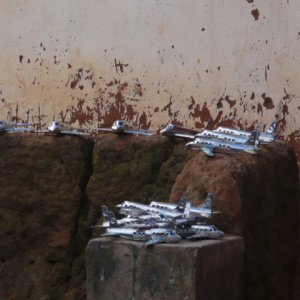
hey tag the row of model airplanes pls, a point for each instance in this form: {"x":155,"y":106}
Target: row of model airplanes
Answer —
{"x":161,"y":222}
{"x":208,"y":141}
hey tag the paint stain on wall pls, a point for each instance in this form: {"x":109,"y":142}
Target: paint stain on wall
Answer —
{"x":268,"y":102}
{"x":255,"y":14}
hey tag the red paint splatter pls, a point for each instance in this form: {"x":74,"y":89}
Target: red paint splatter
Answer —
{"x":230,"y":102}
{"x":268,"y":102}
{"x":76,"y":78}
{"x":259,"y":109}
{"x":255,"y":14}
{"x":168,"y":107}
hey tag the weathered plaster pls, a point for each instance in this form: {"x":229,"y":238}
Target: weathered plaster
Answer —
{"x":195,"y":62}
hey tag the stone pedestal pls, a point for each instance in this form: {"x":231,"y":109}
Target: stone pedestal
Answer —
{"x":123,"y":269}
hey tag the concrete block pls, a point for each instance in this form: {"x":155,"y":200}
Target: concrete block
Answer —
{"x":123,"y":269}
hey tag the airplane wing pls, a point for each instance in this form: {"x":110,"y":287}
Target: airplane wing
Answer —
{"x":73,"y":132}
{"x":185,"y":135}
{"x":138,"y":132}
{"x":154,"y":241}
{"x":208,"y":150}
{"x":19,"y":129}
{"x":103,"y":129}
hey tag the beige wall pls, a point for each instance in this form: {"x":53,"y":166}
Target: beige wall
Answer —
{"x":150,"y":61}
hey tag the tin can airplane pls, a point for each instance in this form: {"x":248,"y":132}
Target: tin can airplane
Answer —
{"x":211,"y":145}
{"x":142,"y":222}
{"x":202,"y":211}
{"x":8,"y":126}
{"x":150,"y":236}
{"x":122,"y":127}
{"x":63,"y":128}
{"x":267,"y":136}
{"x":223,"y":133}
{"x":196,"y":232}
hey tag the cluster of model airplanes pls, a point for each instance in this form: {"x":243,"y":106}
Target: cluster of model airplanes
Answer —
{"x":208,"y":141}
{"x":161,"y":222}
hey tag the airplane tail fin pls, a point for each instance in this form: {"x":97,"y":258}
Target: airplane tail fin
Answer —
{"x":253,"y":137}
{"x":182,"y":204}
{"x":271,"y":129}
{"x":105,"y":213}
{"x":208,"y":202}
{"x":109,"y":216}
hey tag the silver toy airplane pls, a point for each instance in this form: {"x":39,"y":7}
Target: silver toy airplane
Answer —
{"x":144,"y":221}
{"x":150,"y":236}
{"x":267,"y":136}
{"x":196,"y":232}
{"x":58,"y":127}
{"x":7,"y":126}
{"x":136,"y":209}
{"x":212,"y":134}
{"x":121,"y":127}
{"x":179,"y":131}
{"x":203,"y":211}
{"x":209,"y":146}
{"x":225,"y":133}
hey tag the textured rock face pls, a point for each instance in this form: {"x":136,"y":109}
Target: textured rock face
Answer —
{"x":119,"y":269}
{"x":46,"y":212}
{"x":42,"y":181}
{"x":51,"y":190}
{"x":134,"y":168}
{"x":259,"y":199}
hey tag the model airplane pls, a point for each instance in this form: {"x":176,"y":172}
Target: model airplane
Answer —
{"x":137,"y":209}
{"x":63,"y":128}
{"x":143,"y":222}
{"x":267,"y":136}
{"x":121,"y":127}
{"x":209,"y":146}
{"x":196,"y":232}
{"x":203,"y":211}
{"x":239,"y":139}
{"x":150,"y":236}
{"x":224,"y":133}
{"x":7,"y":126}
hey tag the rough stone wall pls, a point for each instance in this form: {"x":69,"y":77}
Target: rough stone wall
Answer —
{"x":198,"y":63}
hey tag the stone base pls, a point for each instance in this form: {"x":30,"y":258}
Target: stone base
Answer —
{"x":123,"y":269}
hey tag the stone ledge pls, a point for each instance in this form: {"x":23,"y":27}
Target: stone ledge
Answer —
{"x":123,"y":269}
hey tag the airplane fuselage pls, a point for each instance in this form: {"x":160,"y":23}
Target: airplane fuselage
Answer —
{"x":10,"y":126}
{"x":211,"y":134}
{"x":200,"y":142}
{"x":194,"y":211}
{"x":57,"y":127}
{"x":127,"y":207}
{"x":264,"y":137}
{"x":168,"y":235}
